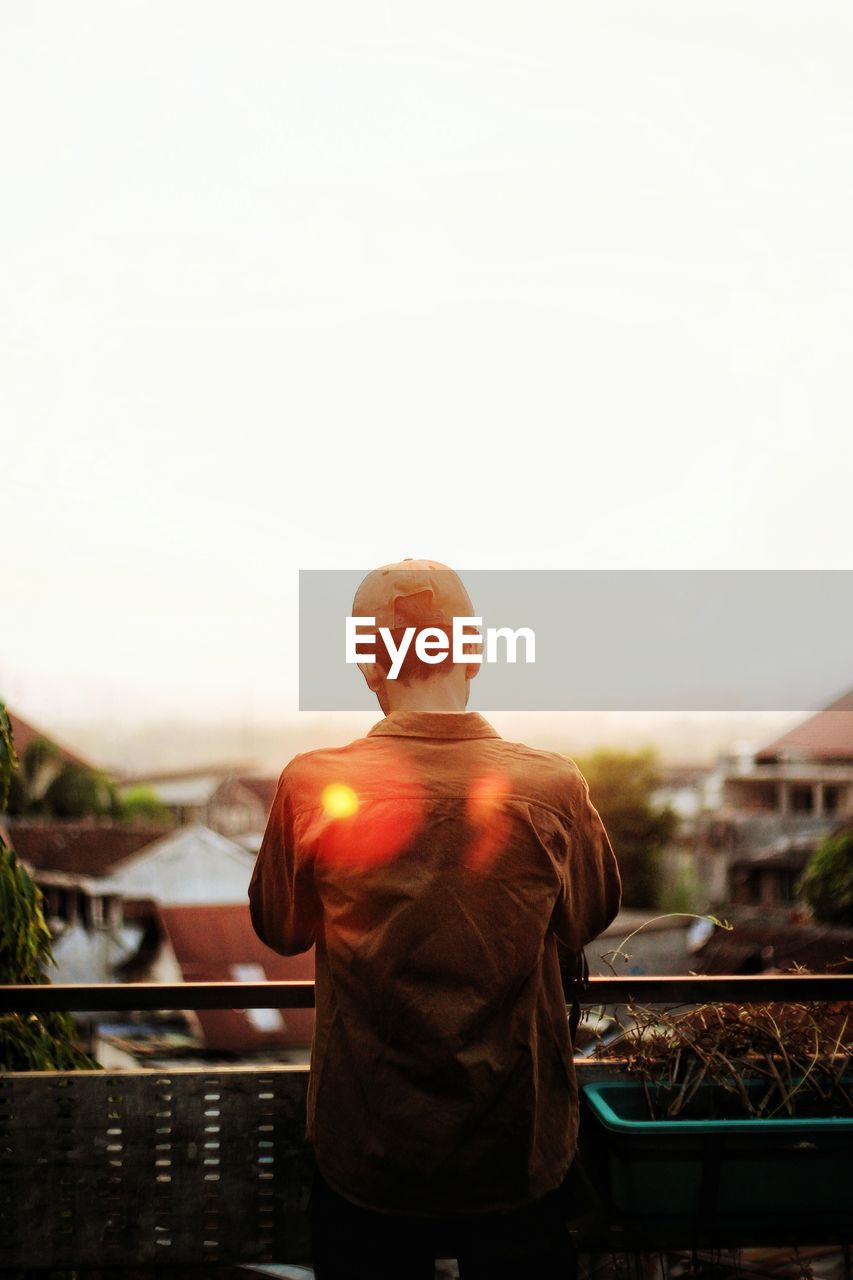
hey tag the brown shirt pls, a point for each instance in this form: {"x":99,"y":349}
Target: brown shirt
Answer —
{"x":435,"y":864}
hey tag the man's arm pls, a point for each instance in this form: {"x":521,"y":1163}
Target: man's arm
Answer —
{"x":591,"y":890}
{"x":283,"y":901}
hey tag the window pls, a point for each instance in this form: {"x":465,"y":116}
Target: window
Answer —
{"x":831,"y":799}
{"x":802,"y":799}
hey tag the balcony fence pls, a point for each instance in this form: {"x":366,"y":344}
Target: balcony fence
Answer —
{"x":200,"y":1166}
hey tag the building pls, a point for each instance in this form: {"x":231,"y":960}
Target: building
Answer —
{"x":71,"y":863}
{"x":187,"y":865}
{"x":89,"y":847}
{"x":770,"y":878}
{"x":804,"y":776}
{"x":778,"y":800}
{"x":205,"y":944}
{"x":219,"y":944}
{"x":91,"y":872}
{"x":227,"y":799}
{"x":170,"y":864}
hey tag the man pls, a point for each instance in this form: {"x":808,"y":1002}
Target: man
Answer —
{"x":435,"y":866}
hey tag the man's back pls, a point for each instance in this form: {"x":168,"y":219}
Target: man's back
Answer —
{"x":435,"y":865}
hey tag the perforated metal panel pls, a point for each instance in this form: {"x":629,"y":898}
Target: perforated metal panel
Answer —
{"x":167,"y":1167}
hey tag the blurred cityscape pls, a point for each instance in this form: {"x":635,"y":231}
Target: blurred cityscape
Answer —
{"x":145,"y":877}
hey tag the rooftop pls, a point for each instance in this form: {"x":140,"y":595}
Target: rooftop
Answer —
{"x":87,"y":848}
{"x":24,"y":733}
{"x":827,"y":735}
{"x":218,"y":944}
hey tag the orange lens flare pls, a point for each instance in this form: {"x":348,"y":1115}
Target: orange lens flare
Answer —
{"x":339,"y":800}
{"x":487,"y":816}
{"x":367,"y":815}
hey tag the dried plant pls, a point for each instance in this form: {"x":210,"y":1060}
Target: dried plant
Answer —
{"x":765,"y":1059}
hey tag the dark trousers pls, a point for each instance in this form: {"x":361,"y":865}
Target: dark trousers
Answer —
{"x":349,"y":1242}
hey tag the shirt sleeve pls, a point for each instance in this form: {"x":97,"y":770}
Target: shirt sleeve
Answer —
{"x":283,"y":901}
{"x":591,"y":888}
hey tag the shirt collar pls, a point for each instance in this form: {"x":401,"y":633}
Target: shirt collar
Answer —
{"x":434,"y":724}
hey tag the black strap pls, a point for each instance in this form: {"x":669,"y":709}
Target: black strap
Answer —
{"x":574,"y":971}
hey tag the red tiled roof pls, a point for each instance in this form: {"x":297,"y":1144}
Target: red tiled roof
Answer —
{"x":23,"y":733}
{"x":88,"y":848}
{"x":828,"y":735}
{"x":208,"y":941}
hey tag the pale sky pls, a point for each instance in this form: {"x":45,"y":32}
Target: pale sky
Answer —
{"x":284,"y":286}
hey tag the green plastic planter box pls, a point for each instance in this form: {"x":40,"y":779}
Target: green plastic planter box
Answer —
{"x":729,"y":1167}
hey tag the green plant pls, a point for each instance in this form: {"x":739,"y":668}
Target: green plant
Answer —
{"x":680,"y":896}
{"x":143,"y":803}
{"x":827,"y":882}
{"x":28,"y":1042}
{"x":47,"y":785}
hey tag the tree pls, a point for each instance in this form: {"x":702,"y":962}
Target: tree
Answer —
{"x":621,"y":784}
{"x":28,"y":1042}
{"x":39,"y":764}
{"x":143,"y":804}
{"x":681,"y":895}
{"x":827,"y":882}
{"x":48,"y":785}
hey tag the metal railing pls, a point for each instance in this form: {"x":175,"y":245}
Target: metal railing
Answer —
{"x":179,"y":1167}
{"x":679,"y":989}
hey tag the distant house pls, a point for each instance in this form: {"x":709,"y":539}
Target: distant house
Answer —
{"x":88,"y":871}
{"x":770,"y":878}
{"x":778,"y":799}
{"x":205,"y":944}
{"x":219,"y":944}
{"x":71,"y":863}
{"x":187,"y":865}
{"x":224,"y":799}
{"x":86,"y":847}
{"x":807,"y":773}
{"x":170,"y":864}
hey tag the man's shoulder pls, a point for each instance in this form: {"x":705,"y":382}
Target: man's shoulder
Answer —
{"x":310,"y":768}
{"x":550,"y":777}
